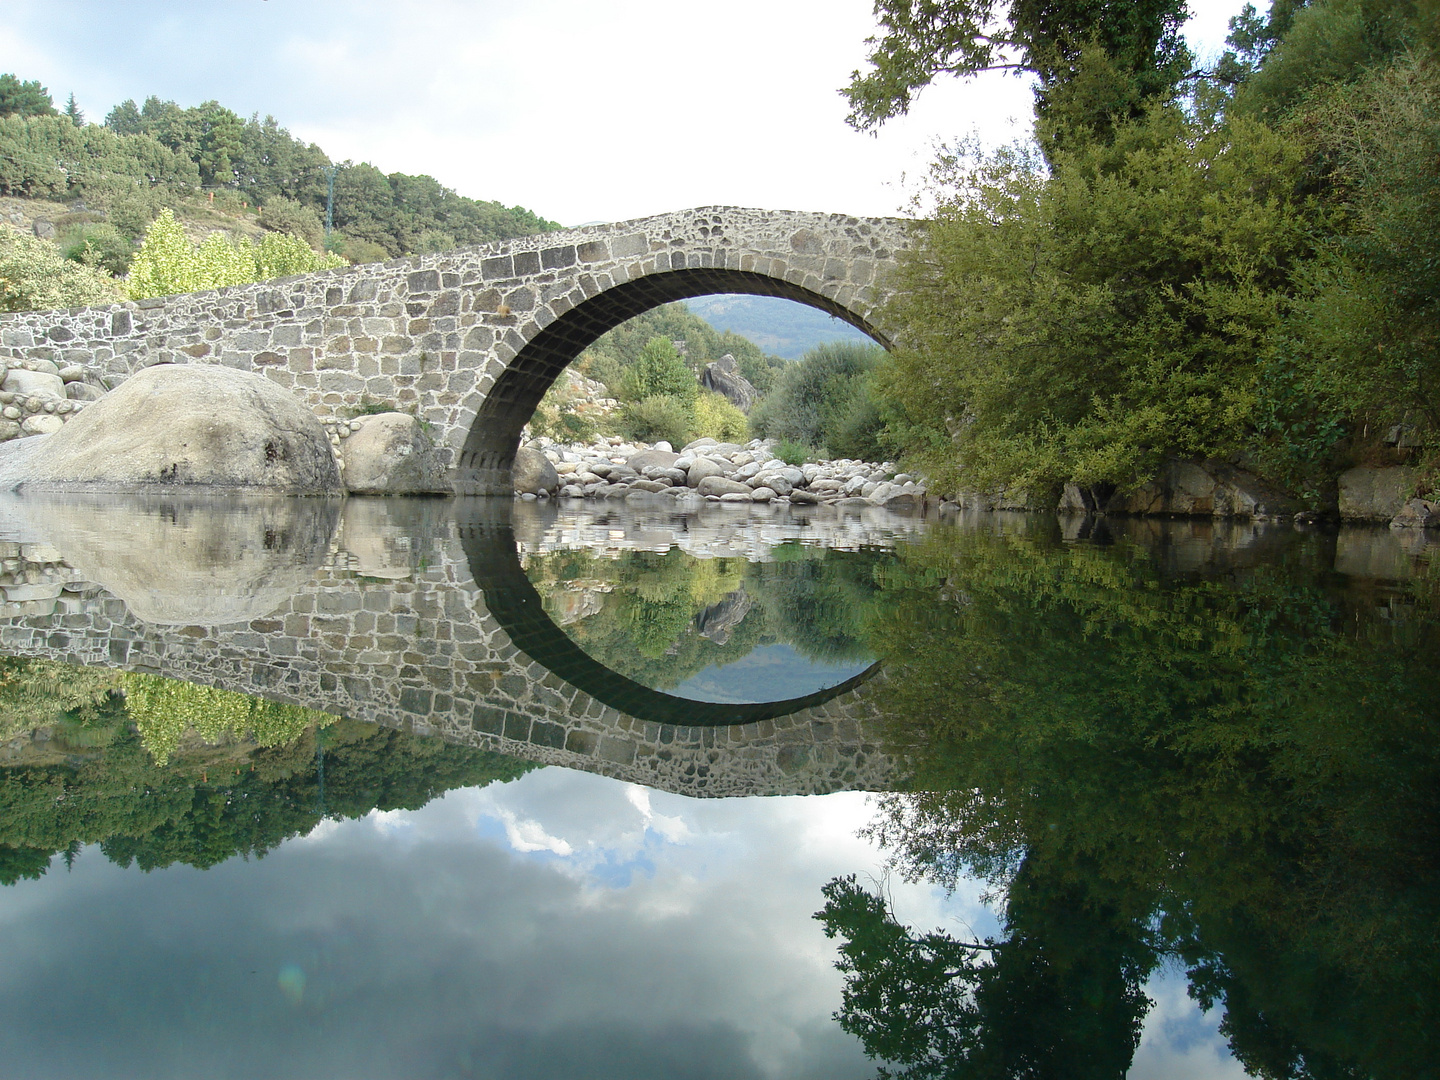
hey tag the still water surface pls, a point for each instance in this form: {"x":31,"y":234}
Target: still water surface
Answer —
{"x":451,"y":789}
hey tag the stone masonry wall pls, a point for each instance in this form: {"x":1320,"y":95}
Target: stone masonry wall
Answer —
{"x":436,"y":334}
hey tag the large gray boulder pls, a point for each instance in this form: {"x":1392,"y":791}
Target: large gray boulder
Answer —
{"x":702,"y":468}
{"x":532,"y":473}
{"x":719,"y":485}
{"x":391,"y":454}
{"x":1376,"y":494}
{"x":177,"y":427}
{"x":646,"y":459}
{"x":723,"y":376}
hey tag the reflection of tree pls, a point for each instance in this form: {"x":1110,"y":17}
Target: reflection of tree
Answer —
{"x":213,"y":802}
{"x":650,"y":625}
{"x":1239,"y":765}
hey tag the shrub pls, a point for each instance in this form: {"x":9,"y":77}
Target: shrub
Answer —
{"x":661,"y":416}
{"x":792,"y":453}
{"x":97,"y":244}
{"x":659,"y":372}
{"x":34,"y":276}
{"x":282,"y":215}
{"x":823,"y":396}
{"x":168,"y":263}
{"x":716,"y":417}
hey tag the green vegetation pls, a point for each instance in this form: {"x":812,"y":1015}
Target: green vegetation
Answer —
{"x":168,"y":262}
{"x":35,"y":276}
{"x":1229,"y":767}
{"x":213,"y":169}
{"x":827,"y":400}
{"x":158,"y":771}
{"x":1233,"y":264}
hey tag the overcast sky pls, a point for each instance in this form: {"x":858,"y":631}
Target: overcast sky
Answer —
{"x":582,"y":111}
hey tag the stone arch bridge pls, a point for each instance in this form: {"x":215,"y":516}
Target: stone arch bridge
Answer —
{"x":471,"y":339}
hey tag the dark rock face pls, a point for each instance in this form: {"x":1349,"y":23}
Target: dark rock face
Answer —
{"x":723,"y":377}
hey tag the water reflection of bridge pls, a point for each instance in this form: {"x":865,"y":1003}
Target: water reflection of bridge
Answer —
{"x":414,"y":614}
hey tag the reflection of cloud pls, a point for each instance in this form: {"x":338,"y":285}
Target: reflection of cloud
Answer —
{"x":1178,"y":1041}
{"x":674,"y":938}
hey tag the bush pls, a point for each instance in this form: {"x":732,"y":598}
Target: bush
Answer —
{"x":355,"y":250}
{"x":34,"y":276}
{"x":824,"y":396}
{"x":792,"y":453}
{"x":282,"y":215}
{"x":659,"y":372}
{"x":168,"y":263}
{"x":716,"y":417}
{"x":97,"y":244}
{"x":662,"y":416}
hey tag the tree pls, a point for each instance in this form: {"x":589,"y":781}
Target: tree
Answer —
{"x":1084,"y":321}
{"x":24,"y":98}
{"x":926,"y":38}
{"x":825,"y":400}
{"x":72,"y":110}
{"x":167,"y":263}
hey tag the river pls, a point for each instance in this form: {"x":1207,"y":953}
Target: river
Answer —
{"x":466,"y":788}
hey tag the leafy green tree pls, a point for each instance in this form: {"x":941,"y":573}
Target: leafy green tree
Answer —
{"x":168,"y":263}
{"x":24,"y":98}
{"x":1087,"y":322}
{"x":923,"y":39}
{"x":72,"y":110}
{"x":659,"y":370}
{"x":1360,"y":349}
{"x":34,"y":276}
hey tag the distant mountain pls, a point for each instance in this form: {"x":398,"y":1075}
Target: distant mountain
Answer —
{"x":780,"y":327}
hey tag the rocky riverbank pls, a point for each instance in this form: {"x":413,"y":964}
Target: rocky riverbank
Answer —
{"x":707,"y":470}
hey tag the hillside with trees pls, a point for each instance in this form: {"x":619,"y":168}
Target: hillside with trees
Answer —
{"x":108,"y":181}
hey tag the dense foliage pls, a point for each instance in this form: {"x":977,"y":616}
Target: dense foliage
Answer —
{"x":1244,"y":271}
{"x":168,"y":262}
{"x":826,"y":400}
{"x":1228,"y":765}
{"x":35,"y":276}
{"x":144,"y":158}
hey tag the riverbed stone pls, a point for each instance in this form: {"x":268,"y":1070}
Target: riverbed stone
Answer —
{"x":391,"y":454}
{"x":719,"y":485}
{"x":703,"y":468}
{"x":33,"y":383}
{"x":1370,"y":493}
{"x":532,"y":472}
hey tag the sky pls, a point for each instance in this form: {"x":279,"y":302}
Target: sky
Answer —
{"x":580,"y":111}
{"x":563,"y":924}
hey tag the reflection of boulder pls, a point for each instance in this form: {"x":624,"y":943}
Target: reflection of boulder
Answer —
{"x":183,"y":561}
{"x":718,"y":621}
{"x":723,"y":377}
{"x":179,"y":426}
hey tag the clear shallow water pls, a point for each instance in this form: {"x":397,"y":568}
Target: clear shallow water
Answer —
{"x":1188,"y":766}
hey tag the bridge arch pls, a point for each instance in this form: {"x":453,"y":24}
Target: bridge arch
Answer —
{"x":494,"y":436}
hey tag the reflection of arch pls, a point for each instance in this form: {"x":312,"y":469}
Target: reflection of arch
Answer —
{"x":495,"y":433}
{"x":516,"y":606}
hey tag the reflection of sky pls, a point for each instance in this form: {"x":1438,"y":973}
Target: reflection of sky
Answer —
{"x":768,"y":673}
{"x":562,"y":925}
